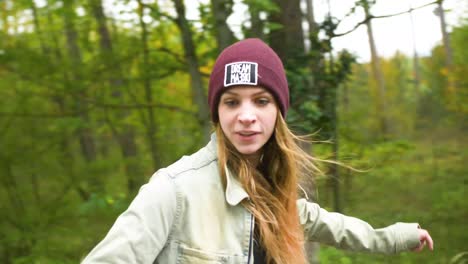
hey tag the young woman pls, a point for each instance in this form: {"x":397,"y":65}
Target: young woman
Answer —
{"x":235,"y":200}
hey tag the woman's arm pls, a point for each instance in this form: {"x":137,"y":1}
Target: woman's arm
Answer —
{"x":354,"y":234}
{"x":139,"y":234}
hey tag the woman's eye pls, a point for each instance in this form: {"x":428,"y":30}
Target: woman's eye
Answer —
{"x":230,"y":102}
{"x":263,"y":101}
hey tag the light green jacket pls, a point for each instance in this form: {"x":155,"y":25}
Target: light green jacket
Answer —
{"x":183,"y":215}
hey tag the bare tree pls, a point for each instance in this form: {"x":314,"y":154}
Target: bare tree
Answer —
{"x":439,"y":11}
{"x":376,"y":68}
{"x":198,"y":91}
{"x":126,"y":135}
{"x":151,"y":127}
{"x":287,"y":41}
{"x":4,"y":17}
{"x":377,"y":72}
{"x":256,"y":23}
{"x":416,"y":74}
{"x":313,"y":27}
{"x":85,"y":133}
{"x":37,"y":27}
{"x":221,"y":10}
{"x":53,"y":53}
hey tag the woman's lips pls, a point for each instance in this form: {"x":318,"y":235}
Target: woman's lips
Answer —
{"x":247,"y":135}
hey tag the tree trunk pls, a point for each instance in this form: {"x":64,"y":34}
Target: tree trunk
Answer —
{"x":17,"y":210}
{"x":85,"y":133}
{"x":445,"y":35}
{"x":198,"y":91}
{"x":257,"y":25}
{"x":288,"y":41}
{"x":68,"y":161}
{"x":452,"y":85}
{"x":378,"y":76}
{"x":334,"y":172}
{"x":313,"y":27}
{"x":37,"y":27}
{"x":55,"y":46}
{"x":4,"y":17}
{"x":317,"y":59}
{"x":347,"y":175}
{"x":311,"y":17}
{"x":312,"y":248}
{"x":151,"y":122}
{"x":416,"y":74}
{"x":329,"y":104}
{"x":221,"y":10}
{"x":126,"y":136}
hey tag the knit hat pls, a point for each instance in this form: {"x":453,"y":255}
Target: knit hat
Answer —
{"x":248,"y":62}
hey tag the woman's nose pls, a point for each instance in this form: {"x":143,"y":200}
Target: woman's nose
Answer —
{"x":247,"y":115}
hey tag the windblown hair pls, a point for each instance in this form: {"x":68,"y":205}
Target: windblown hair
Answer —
{"x":273,"y":190}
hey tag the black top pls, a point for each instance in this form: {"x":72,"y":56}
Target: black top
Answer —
{"x":258,"y":249}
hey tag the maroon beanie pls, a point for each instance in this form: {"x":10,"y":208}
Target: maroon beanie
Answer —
{"x":248,"y":62}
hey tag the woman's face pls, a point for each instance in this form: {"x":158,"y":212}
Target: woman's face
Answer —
{"x":247,"y":115}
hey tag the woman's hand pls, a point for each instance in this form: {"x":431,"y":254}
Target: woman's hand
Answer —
{"x":424,"y":238}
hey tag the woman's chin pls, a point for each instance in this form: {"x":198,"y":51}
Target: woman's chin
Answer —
{"x":249,"y":152}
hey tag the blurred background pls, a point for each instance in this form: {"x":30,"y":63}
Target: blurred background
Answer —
{"x":96,"y":95}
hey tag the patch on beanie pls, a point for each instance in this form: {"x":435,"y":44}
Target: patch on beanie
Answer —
{"x":242,"y":72}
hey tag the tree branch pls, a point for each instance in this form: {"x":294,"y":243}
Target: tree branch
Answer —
{"x":176,"y":56}
{"x":101,"y":105}
{"x":381,"y":16}
{"x":159,"y":13}
{"x":38,"y":115}
{"x":407,"y":11}
{"x":139,"y":105}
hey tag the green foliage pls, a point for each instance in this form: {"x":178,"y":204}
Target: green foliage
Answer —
{"x":314,"y":96}
{"x":420,"y":170}
{"x":422,"y":183}
{"x":458,"y":94}
{"x":262,"y":5}
{"x":61,"y":191}
{"x":329,"y":256}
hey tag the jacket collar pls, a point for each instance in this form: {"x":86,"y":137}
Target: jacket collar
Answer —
{"x":235,"y":193}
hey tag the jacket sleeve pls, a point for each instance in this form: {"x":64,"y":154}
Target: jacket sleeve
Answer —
{"x":140,"y":233}
{"x":354,"y":234}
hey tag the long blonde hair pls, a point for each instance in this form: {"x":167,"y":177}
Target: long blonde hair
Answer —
{"x":272,"y":188}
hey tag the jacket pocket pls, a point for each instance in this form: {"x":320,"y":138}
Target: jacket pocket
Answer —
{"x":196,"y":256}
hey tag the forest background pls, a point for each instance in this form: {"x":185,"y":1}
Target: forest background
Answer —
{"x":91,"y":104}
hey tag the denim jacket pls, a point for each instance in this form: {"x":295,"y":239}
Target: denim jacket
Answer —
{"x":184,"y":215}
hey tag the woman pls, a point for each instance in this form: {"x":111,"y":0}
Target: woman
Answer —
{"x":235,"y":200}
